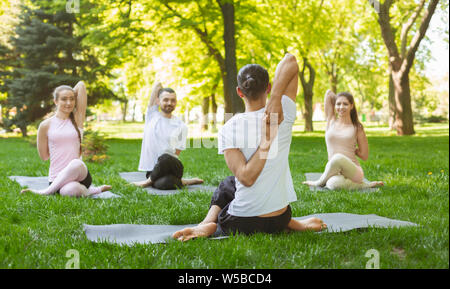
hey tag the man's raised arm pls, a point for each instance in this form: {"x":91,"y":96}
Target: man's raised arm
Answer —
{"x":154,"y":99}
{"x":285,"y":82}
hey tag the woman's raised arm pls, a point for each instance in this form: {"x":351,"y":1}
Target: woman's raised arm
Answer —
{"x":330,"y":100}
{"x":81,"y":93}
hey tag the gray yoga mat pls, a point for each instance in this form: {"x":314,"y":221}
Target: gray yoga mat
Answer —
{"x":316,"y":176}
{"x":140,"y":176}
{"x":129,"y":234}
{"x":40,"y":183}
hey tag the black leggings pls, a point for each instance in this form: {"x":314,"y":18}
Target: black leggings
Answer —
{"x":167,"y":173}
{"x":87,"y":182}
{"x":229,"y":224}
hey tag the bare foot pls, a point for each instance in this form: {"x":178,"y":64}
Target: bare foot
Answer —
{"x":310,"y":224}
{"x":143,"y":184}
{"x":201,"y":230}
{"x":105,"y":188}
{"x":311,"y":183}
{"x":30,"y":191}
{"x":194,"y":181}
{"x":376,"y":184}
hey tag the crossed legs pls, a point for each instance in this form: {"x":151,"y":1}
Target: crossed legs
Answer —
{"x":341,"y":173}
{"x":67,"y":182}
{"x":223,"y":195}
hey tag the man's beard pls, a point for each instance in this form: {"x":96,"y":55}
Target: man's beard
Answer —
{"x":167,"y":109}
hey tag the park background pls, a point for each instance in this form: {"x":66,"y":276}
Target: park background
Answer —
{"x":391,"y":55}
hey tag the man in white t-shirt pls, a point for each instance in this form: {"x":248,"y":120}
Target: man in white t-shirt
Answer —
{"x":256,"y":147}
{"x":164,"y":139}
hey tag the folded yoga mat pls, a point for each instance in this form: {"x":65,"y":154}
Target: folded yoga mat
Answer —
{"x":40,"y":183}
{"x":316,"y":176}
{"x":140,"y":176}
{"x":128,"y":234}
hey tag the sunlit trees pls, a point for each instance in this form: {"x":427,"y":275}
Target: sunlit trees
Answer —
{"x":46,"y":54}
{"x":402,"y":47}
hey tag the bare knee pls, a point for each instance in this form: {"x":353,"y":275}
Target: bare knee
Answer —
{"x":73,"y":189}
{"x":336,"y":182}
{"x":77,"y":163}
{"x":338,"y":157}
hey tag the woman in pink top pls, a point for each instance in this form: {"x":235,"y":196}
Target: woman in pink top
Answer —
{"x":346,"y":140}
{"x":59,"y":139}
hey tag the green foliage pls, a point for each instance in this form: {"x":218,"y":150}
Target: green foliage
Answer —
{"x":94,"y":147}
{"x":48,"y":54}
{"x":121,"y":48}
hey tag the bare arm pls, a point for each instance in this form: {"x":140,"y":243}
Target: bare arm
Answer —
{"x":42,"y":140}
{"x":248,"y":172}
{"x":80,"y":113}
{"x":285,"y":83}
{"x":154,"y":99}
{"x":363,"y":146}
{"x":330,"y":100}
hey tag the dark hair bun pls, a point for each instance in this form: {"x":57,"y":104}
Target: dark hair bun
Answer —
{"x":249,"y":83}
{"x":253,"y":80}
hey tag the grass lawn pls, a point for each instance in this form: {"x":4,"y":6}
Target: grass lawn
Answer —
{"x":37,"y":231}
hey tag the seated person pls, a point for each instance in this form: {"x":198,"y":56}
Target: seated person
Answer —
{"x":256,"y":150}
{"x":164,"y":139}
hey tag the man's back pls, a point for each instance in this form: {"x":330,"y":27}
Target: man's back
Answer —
{"x":273,"y":189}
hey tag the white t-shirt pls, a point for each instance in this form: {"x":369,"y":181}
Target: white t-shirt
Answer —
{"x":273,"y":189}
{"x":161,"y":135}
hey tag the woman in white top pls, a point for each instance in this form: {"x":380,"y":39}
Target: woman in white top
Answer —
{"x":256,"y":149}
{"x":346,"y":140}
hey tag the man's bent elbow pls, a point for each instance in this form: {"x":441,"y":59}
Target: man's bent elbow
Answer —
{"x":246,"y":181}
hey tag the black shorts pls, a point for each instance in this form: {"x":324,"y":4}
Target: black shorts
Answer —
{"x":229,"y":224}
{"x":87,"y":182}
{"x":167,"y":173}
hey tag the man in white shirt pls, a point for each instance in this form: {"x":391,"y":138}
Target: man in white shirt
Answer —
{"x":164,"y":139}
{"x":256,"y":147}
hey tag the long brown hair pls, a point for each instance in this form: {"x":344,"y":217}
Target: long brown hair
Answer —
{"x":353,"y":112}
{"x":71,"y":115}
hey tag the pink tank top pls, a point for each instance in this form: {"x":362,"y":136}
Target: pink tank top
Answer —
{"x":63,"y":145}
{"x":342,"y":140}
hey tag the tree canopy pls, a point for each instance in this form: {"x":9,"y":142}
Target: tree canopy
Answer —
{"x":121,"y":48}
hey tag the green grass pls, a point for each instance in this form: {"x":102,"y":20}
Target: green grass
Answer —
{"x":36,"y":231}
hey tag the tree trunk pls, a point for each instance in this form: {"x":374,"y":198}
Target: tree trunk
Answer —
{"x":308,"y":113}
{"x":134,"y":111}
{"x":124,"y":110}
{"x":214,"y":111}
{"x":392,"y":109}
{"x":400,"y":62}
{"x":404,"y":118}
{"x":23,"y":130}
{"x":308,"y":93}
{"x":230,"y":77}
{"x":205,"y":111}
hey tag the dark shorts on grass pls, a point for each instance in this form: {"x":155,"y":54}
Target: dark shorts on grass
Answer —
{"x":167,"y":173}
{"x":87,"y":182}
{"x":228,"y":224}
